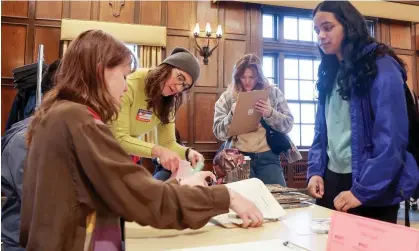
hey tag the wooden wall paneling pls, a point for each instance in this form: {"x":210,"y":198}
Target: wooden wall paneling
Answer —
{"x":13,"y":38}
{"x":164,"y":12}
{"x":377,"y":30}
{"x":417,"y":36}
{"x":209,"y":73}
{"x":410,"y":67}
{"x":179,"y":15}
{"x":220,"y":49}
{"x":150,"y":12}
{"x":94,"y":14}
{"x":80,"y":10}
{"x":384,"y":32}
{"x":14,"y":8}
{"x":233,"y":51}
{"x":8,"y":93}
{"x":256,"y":36}
{"x":207,"y":12}
{"x":204,"y":117}
{"x":235,"y":17}
{"x":124,"y":11}
{"x":137,"y":12}
{"x":182,"y":124}
{"x":50,"y":38}
{"x":175,"y":41}
{"x":401,"y":35}
{"x":51,"y":10}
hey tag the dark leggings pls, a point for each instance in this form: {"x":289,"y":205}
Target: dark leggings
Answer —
{"x":334,"y":183}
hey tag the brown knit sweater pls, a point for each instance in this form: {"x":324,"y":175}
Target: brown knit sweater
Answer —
{"x":78,"y":181}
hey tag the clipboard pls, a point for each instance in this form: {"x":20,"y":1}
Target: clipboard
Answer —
{"x":245,"y":118}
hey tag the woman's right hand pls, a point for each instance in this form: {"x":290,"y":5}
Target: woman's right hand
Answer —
{"x":316,"y":187}
{"x":167,"y":158}
{"x":246,"y":210}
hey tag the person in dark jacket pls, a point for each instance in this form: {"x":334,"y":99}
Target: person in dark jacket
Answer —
{"x":358,"y":162}
{"x":13,"y":155}
{"x":13,"y":148}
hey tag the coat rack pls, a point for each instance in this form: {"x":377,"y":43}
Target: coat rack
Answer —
{"x":39,"y":75}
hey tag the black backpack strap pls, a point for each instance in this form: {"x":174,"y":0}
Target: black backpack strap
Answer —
{"x":368,"y":117}
{"x":406,"y":213}
{"x":264,"y":124}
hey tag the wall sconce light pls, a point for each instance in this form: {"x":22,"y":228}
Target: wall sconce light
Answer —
{"x":205,"y":51}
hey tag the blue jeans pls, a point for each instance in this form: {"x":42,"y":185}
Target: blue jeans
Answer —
{"x":160,"y":173}
{"x":266,"y":166}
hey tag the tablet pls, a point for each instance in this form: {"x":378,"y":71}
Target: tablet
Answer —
{"x":245,"y":118}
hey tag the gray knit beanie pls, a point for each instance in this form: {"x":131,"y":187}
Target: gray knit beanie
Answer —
{"x":183,"y":59}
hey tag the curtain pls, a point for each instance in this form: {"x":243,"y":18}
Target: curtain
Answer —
{"x":149,"y":57}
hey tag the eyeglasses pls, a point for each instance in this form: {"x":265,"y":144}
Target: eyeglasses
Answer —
{"x":180,"y":78}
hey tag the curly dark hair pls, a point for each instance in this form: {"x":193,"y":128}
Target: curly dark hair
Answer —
{"x":165,"y":108}
{"x":358,"y":68}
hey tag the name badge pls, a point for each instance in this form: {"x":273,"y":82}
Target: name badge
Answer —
{"x":144,"y":115}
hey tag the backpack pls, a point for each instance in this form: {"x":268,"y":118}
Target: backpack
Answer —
{"x":412,"y":105}
{"x":230,"y":164}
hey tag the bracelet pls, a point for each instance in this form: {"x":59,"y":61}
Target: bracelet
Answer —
{"x":187,"y":153}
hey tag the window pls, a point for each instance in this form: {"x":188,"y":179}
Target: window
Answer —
{"x":371,"y":29}
{"x":298,"y":28}
{"x":133,"y":48}
{"x":291,"y":60}
{"x":269,"y":68}
{"x":268,"y":26}
{"x":300,"y":75}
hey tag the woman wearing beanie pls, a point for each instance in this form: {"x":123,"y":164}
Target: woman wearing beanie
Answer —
{"x":152,"y":98}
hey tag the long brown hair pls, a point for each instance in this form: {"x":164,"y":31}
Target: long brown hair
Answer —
{"x":164,"y":107}
{"x":80,"y":76}
{"x":249,"y":61}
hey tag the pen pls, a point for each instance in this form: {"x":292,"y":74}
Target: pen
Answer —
{"x":286,"y":243}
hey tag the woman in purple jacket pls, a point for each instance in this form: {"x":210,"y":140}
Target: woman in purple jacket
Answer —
{"x":358,"y":162}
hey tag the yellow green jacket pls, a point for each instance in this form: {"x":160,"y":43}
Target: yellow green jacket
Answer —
{"x":135,"y":120}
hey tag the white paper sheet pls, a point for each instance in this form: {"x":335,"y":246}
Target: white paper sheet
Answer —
{"x":254,"y":190}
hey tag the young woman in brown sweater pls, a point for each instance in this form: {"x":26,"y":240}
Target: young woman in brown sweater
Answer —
{"x":78,"y":180}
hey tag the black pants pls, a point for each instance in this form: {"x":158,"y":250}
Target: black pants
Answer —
{"x":334,"y":183}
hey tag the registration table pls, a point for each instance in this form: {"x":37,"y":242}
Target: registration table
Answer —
{"x":295,"y":228}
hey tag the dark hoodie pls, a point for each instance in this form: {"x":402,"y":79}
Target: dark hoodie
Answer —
{"x":13,"y":155}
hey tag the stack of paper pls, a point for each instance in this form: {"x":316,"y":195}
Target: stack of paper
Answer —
{"x":256,"y":191}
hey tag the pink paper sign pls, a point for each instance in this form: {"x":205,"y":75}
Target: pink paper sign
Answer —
{"x":354,"y":233}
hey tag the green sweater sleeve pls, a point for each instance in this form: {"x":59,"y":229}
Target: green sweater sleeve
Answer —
{"x":121,"y":128}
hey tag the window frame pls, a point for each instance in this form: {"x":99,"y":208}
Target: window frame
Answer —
{"x":280,"y":48}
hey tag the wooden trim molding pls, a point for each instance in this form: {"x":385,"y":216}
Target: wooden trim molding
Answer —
{"x":146,"y":34}
{"x":377,"y":8}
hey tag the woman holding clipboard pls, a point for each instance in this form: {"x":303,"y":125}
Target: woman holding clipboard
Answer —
{"x":248,"y":76}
